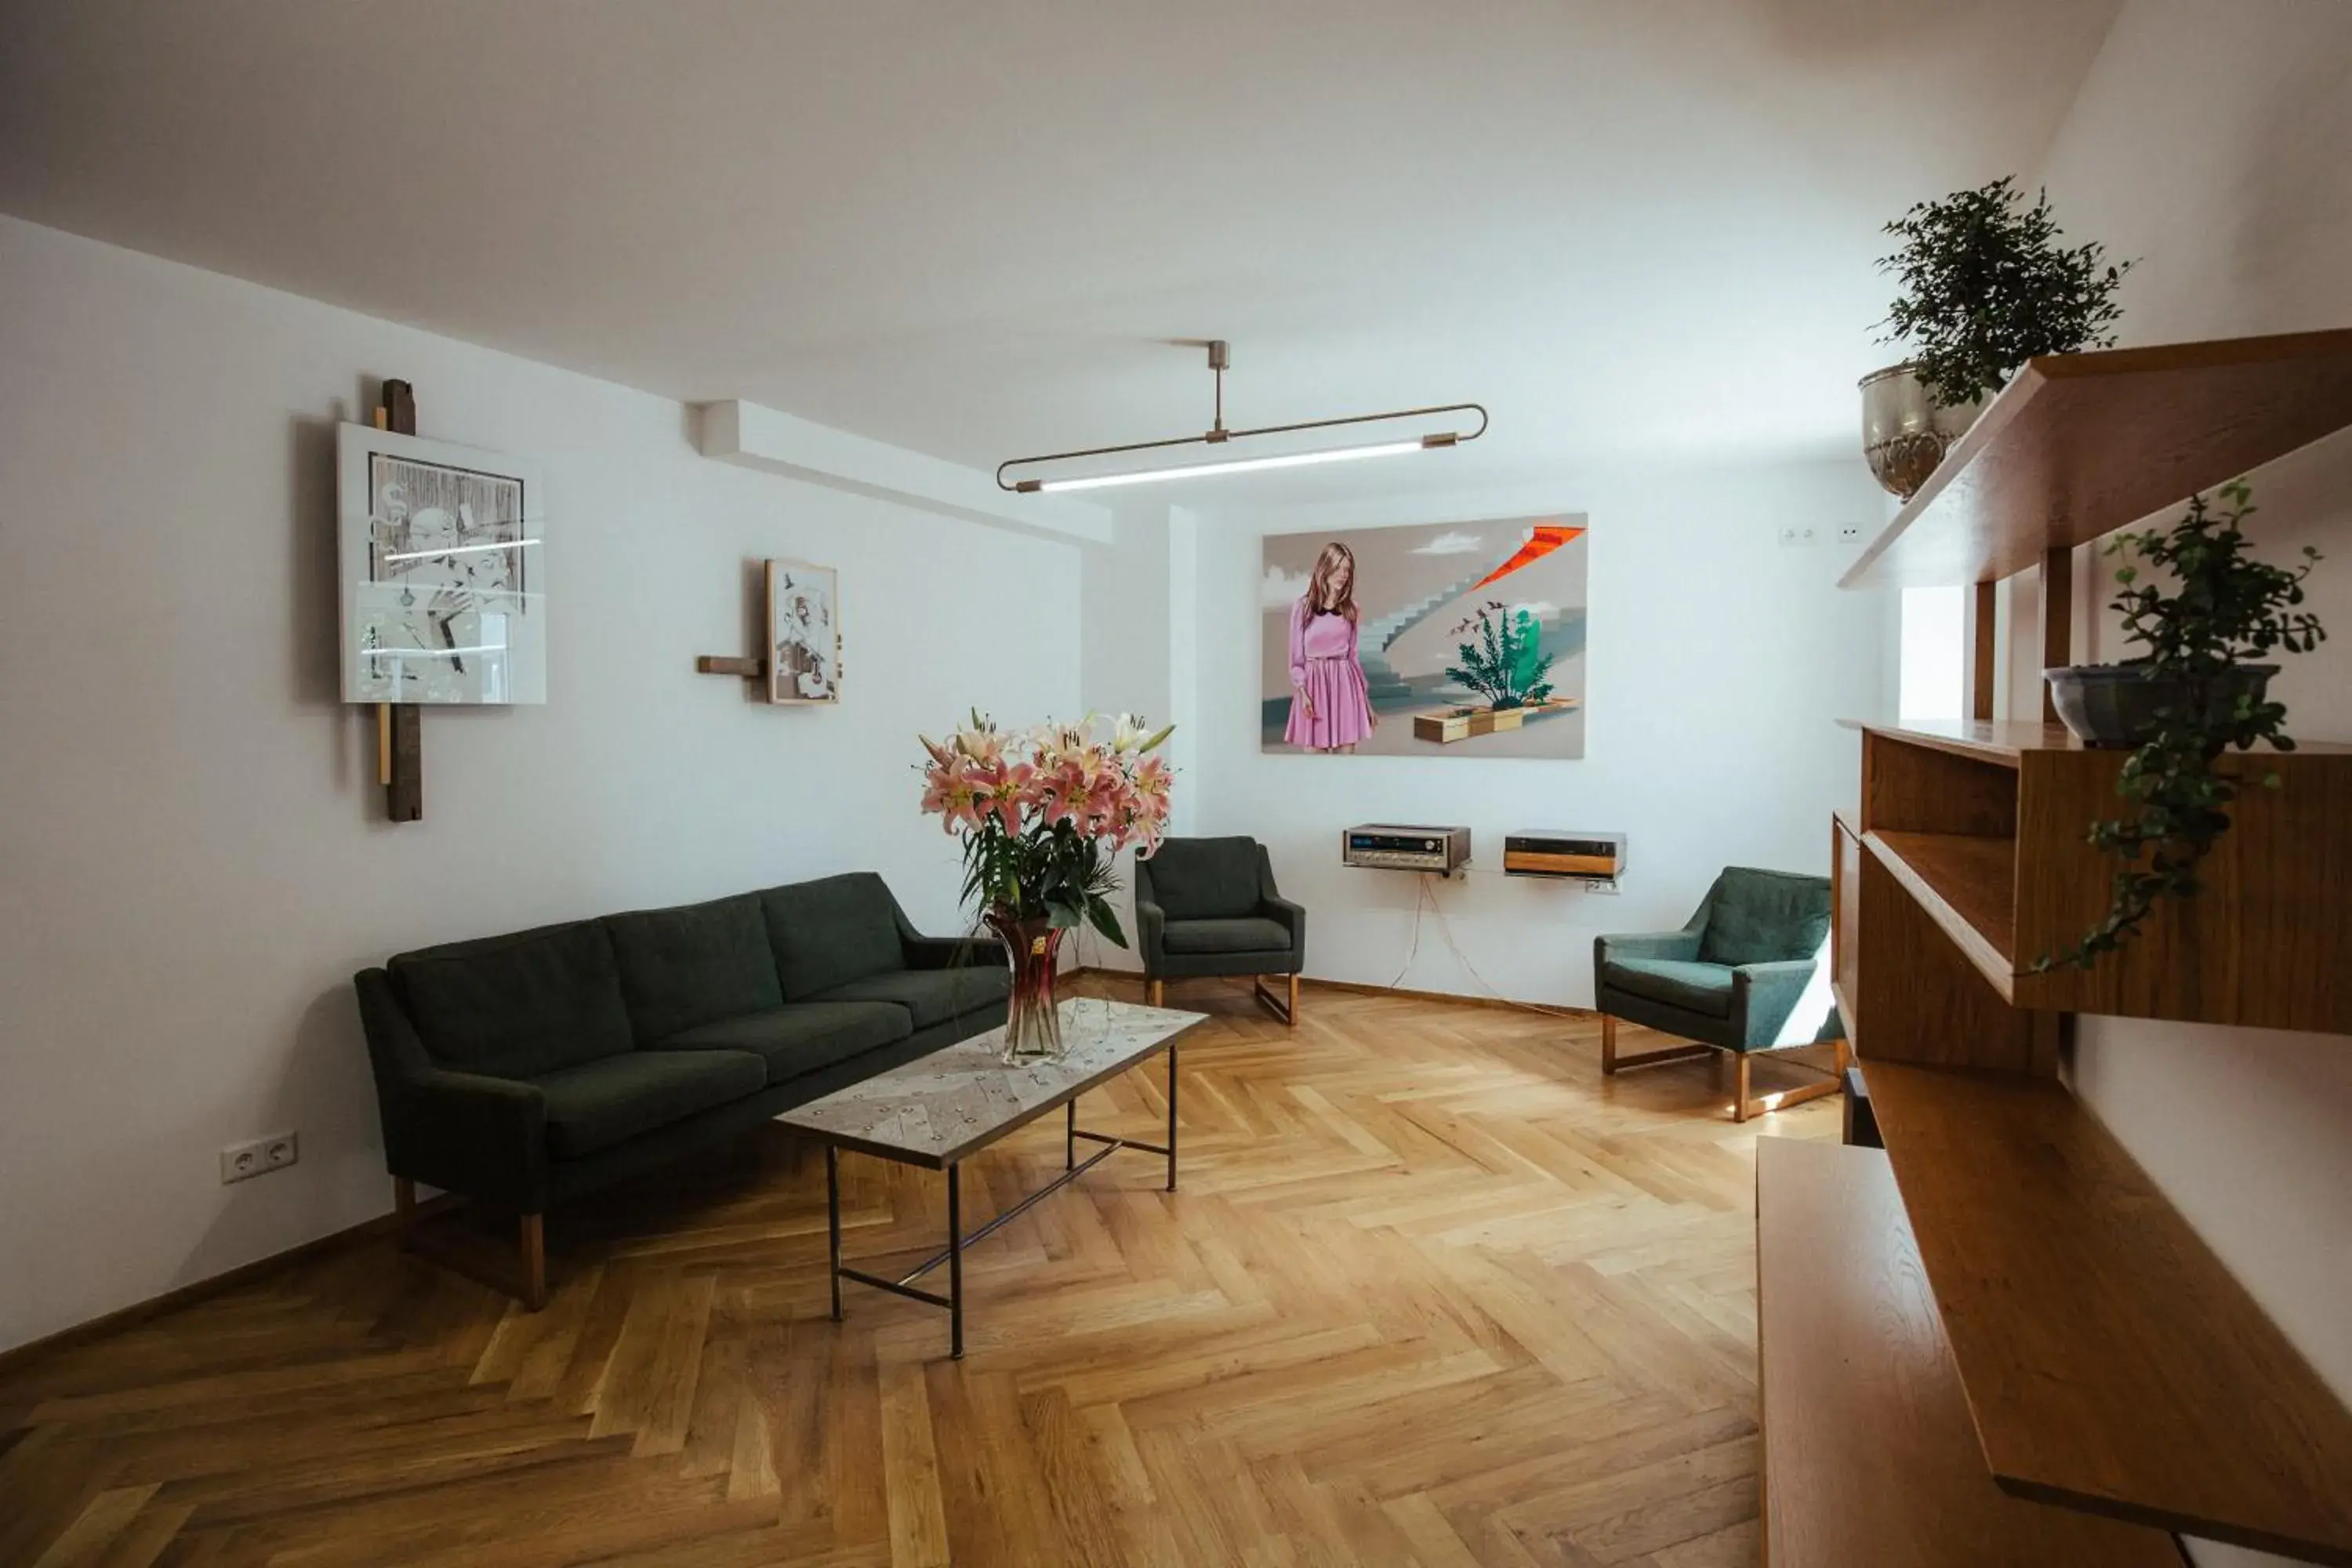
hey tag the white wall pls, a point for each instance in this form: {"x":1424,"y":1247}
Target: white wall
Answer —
{"x":1718,"y":662}
{"x":193,"y":847}
{"x":2210,"y":142}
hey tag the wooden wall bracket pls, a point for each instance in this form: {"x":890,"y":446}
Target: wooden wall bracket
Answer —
{"x":400,"y":726}
{"x":719,"y":664}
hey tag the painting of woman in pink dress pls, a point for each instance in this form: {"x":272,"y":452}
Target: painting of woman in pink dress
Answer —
{"x":1330,"y":707}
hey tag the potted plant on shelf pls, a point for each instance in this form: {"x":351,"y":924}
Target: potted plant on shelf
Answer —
{"x":1985,"y":287}
{"x":1043,"y":814}
{"x":2196,"y":692}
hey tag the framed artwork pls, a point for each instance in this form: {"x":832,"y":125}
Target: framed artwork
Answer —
{"x":442,"y":552}
{"x":1459,"y":639}
{"x":804,"y":632}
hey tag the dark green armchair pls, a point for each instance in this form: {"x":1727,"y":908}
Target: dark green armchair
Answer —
{"x":1731,"y":979}
{"x":1209,"y":907}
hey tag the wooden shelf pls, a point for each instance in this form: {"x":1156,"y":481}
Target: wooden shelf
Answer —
{"x":2078,"y":446}
{"x":1868,"y":1451}
{"x":2007,"y":742}
{"x":1986,"y":827}
{"x":2112,"y":1364}
{"x":1968,"y":886}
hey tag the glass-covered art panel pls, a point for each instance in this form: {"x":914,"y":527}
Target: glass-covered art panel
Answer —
{"x":443,"y":552}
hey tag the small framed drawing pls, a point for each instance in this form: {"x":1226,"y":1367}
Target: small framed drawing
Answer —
{"x":442,"y":552}
{"x":804,"y":632}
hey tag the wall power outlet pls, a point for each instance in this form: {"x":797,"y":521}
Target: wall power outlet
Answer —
{"x":258,"y":1156}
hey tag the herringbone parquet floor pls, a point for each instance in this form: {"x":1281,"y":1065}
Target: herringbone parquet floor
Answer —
{"x":1434,"y":1293}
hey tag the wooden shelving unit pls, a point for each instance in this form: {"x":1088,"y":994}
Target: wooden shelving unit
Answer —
{"x":2111,"y":1363}
{"x":2078,"y":446}
{"x":2007,"y":1265}
{"x":1871,"y":1456}
{"x":1985,"y":827}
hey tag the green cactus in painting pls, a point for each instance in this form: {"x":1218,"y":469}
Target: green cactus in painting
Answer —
{"x":1503,"y":661}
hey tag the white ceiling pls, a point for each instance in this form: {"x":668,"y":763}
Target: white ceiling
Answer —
{"x":1635,"y":228}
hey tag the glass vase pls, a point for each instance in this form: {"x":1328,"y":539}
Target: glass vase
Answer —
{"x":1032,"y":1022}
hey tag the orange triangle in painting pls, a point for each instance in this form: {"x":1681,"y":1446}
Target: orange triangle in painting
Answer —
{"x":1540,"y":544}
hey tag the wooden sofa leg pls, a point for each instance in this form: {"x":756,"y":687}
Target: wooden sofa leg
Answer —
{"x":1740,"y":1088}
{"x":403,"y":1207}
{"x":1293,"y":1019}
{"x":534,"y":1261}
{"x":1155,"y":993}
{"x":1608,"y":1044}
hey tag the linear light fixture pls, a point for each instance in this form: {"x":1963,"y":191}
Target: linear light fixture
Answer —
{"x":1218,"y":435}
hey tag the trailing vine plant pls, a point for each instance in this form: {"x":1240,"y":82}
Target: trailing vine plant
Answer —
{"x":1987,"y":286}
{"x":2228,"y":609}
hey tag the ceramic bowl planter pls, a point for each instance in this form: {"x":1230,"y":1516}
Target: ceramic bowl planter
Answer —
{"x":2119,"y":705}
{"x":1905,"y":431}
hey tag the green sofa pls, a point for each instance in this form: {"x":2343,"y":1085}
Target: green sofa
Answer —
{"x":1730,"y":979}
{"x":527,"y":1070}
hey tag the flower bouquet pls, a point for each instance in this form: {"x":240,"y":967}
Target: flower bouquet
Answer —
{"x":1043,"y":814}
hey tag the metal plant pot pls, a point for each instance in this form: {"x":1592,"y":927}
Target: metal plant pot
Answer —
{"x":2120,"y":705}
{"x":1905,"y":431}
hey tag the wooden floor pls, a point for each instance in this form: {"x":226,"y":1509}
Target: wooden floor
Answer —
{"x":1433,"y":1293}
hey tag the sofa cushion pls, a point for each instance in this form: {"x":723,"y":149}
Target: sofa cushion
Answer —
{"x":518,"y":1006}
{"x":694,"y":964}
{"x":929,"y":995}
{"x":830,"y":932}
{"x":1763,"y":917}
{"x":1206,"y":879}
{"x":598,"y":1104}
{"x":801,"y":1037}
{"x":1694,"y":987}
{"x":1250,"y":934}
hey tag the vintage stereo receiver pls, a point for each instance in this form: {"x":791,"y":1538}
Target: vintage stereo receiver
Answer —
{"x":1403,"y":846}
{"x":1544,"y":852}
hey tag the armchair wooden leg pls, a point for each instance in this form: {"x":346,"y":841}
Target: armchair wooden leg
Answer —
{"x":1611,"y":1061}
{"x":1155,"y":993}
{"x":403,"y":1207}
{"x":1832,"y":1082}
{"x":1285,"y":1011}
{"x":1740,"y":1089}
{"x":534,"y":1261}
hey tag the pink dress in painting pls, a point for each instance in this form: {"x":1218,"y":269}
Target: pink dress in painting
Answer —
{"x":1323,"y":665}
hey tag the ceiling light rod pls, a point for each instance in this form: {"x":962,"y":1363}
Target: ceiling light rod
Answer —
{"x":1217,"y":435}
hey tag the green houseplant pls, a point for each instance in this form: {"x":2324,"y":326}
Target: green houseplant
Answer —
{"x":1504,"y":661}
{"x":1985,"y":286}
{"x":2196,"y":692}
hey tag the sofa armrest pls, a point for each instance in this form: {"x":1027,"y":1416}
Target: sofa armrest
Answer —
{"x":464,"y":1132}
{"x":1764,"y":995}
{"x":951,"y":951}
{"x":1679,"y":945}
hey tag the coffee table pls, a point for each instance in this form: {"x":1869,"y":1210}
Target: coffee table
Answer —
{"x":939,"y":1111}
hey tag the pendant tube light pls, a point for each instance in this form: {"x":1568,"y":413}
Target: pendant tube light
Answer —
{"x":1218,"y":436}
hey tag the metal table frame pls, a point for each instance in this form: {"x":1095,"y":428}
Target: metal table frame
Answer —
{"x":952,"y":1254}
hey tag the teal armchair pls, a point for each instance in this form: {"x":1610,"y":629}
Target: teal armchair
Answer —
{"x":1730,"y":980}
